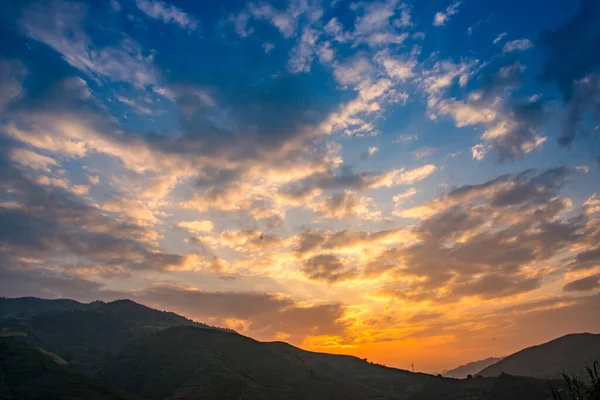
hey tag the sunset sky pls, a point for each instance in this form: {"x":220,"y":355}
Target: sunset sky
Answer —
{"x":411,"y":182}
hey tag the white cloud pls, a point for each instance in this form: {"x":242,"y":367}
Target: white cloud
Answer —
{"x":136,"y":106}
{"x":58,"y":25}
{"x":303,"y":54}
{"x":406,"y":138}
{"x":466,"y":114}
{"x":517,"y":45}
{"x":401,"y":197}
{"x":423,"y":153}
{"x":478,"y":152}
{"x":397,"y":67}
{"x":499,"y":38}
{"x":267,"y":47}
{"x":415,"y":175}
{"x":442,"y":17}
{"x":34,"y":160}
{"x":167,"y":13}
{"x":196,"y":227}
{"x":352,"y":72}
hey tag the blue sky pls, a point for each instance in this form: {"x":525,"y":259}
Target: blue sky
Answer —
{"x":383,"y":178}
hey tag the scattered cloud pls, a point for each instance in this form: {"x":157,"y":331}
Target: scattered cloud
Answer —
{"x":442,"y":17}
{"x":167,"y":13}
{"x":517,"y":45}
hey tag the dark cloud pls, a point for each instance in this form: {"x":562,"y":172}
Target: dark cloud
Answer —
{"x":49,"y":223}
{"x":347,"y":204}
{"x":265,"y":314}
{"x":572,"y":64}
{"x":327,"y":268}
{"x":496,"y":286}
{"x":424,"y":317}
{"x":524,"y":122}
{"x":585,"y":99}
{"x":260,"y":314}
{"x":459,"y":255}
{"x":23,"y":279}
{"x":571,"y":48}
{"x":450,"y":223}
{"x":314,"y":240}
{"x":586,"y":259}
{"x":583,"y":284}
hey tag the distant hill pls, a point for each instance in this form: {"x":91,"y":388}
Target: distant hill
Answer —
{"x":83,"y":334}
{"x":568,"y":353}
{"x":471,"y":368}
{"x":28,"y":373}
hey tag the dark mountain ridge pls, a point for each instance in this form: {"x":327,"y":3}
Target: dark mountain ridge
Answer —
{"x":569,"y":353}
{"x":83,"y":334}
{"x":471,"y":368}
{"x":161,"y":355}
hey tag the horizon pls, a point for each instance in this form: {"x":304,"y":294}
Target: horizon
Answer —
{"x":208,"y":326}
{"x":404,"y":182}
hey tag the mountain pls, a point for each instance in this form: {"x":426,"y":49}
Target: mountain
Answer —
{"x":159,"y":355}
{"x":28,"y":373}
{"x":191,"y":363}
{"x":568,"y":353}
{"x":471,"y":368}
{"x":83,"y":334}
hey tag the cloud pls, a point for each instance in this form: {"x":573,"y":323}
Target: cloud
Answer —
{"x":327,"y":268}
{"x":534,"y":186}
{"x":12,"y":73}
{"x":348,"y":205}
{"x":268,"y":47}
{"x":478,"y":152}
{"x":520,"y":221}
{"x":415,"y":175}
{"x":302,"y":56}
{"x":422,"y":153}
{"x":572,"y":64}
{"x":196,"y":226}
{"x":361,"y":181}
{"x":406,"y":138}
{"x":517,"y":45}
{"x":58,"y":24}
{"x":583,"y":284}
{"x":139,"y":108}
{"x":586,"y":259}
{"x":369,"y":153}
{"x":377,"y":22}
{"x":513,"y":126}
{"x":442,"y":17}
{"x":264,"y":315}
{"x":167,"y":13}
{"x":30,"y":159}
{"x":401,"y":197}
{"x":499,"y":38}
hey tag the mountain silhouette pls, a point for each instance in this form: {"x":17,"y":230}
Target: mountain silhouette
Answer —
{"x":471,"y":368}
{"x":123,"y":349}
{"x":569,"y":353}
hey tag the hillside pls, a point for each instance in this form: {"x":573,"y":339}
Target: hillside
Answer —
{"x":471,"y":368}
{"x":28,"y":373}
{"x":191,"y":363}
{"x":83,"y":334}
{"x":568,"y":353}
{"x":161,"y":355}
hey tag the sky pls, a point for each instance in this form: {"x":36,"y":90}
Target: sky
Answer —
{"x":411,"y":182}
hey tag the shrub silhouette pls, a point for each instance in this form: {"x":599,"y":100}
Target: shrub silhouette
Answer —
{"x":577,"y":389}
